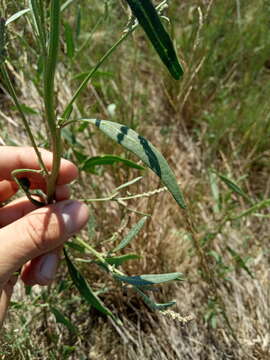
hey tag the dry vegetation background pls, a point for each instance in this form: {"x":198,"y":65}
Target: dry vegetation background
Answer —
{"x":216,"y":117}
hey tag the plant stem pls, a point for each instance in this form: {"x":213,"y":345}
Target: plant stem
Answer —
{"x":14,"y":97}
{"x":95,"y":68}
{"x":49,"y":75}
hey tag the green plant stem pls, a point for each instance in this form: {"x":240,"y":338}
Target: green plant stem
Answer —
{"x":98,"y":256}
{"x":12,"y":93}
{"x":49,"y":75}
{"x":95,"y":68}
{"x":38,"y":12}
{"x":84,"y":83}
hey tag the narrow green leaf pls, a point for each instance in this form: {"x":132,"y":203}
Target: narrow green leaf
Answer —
{"x":66,"y":4}
{"x":240,"y":261}
{"x":149,"y":19}
{"x":70,"y":46}
{"x":252,"y":209}
{"x":62,"y":319}
{"x":128,"y":183}
{"x":232,"y":186}
{"x":131,"y":234}
{"x":145,"y":280}
{"x":17,"y":15}
{"x":85,"y":290}
{"x":119,"y":260}
{"x":3,"y":40}
{"x":90,"y":163}
{"x":152,"y":304}
{"x":137,"y":144}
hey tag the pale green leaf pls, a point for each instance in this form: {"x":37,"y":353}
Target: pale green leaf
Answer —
{"x":145,"y":280}
{"x":17,"y":15}
{"x":141,"y":147}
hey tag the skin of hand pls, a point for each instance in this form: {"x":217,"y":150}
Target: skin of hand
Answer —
{"x":31,"y":238}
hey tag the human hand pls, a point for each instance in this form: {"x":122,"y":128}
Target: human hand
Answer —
{"x":31,"y":237}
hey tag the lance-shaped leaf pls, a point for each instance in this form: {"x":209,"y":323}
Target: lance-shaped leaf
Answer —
{"x":118,"y":260}
{"x":85,"y":290}
{"x":141,"y":147}
{"x":233,"y":186}
{"x":149,"y":19}
{"x":146,"y":280}
{"x":90,"y":164}
{"x":17,"y":15}
{"x":152,"y":304}
{"x":62,"y":319}
{"x":131,"y":234}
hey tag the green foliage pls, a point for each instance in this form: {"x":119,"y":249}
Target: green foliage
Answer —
{"x":137,"y":144}
{"x":90,"y":164}
{"x":148,"y":18}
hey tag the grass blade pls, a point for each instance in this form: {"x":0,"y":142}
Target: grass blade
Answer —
{"x":17,"y":15}
{"x":85,"y":290}
{"x":149,"y":19}
{"x":137,"y":144}
{"x":252,"y":209}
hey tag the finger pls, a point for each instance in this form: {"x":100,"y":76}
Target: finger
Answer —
{"x":41,"y":270}
{"x":5,"y":298}
{"x":7,"y":189}
{"x":20,"y":207}
{"x":12,"y":157}
{"x":39,"y":232}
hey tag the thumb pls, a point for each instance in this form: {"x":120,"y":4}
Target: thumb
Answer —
{"x":38,"y":232}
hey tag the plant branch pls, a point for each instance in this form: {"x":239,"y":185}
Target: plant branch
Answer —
{"x":49,"y":76}
{"x":14,"y":97}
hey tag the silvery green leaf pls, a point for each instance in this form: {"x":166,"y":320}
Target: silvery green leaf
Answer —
{"x":145,"y":280}
{"x":17,"y":15}
{"x":141,"y":147}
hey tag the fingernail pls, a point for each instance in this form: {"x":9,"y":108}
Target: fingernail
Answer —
{"x":75,"y":216}
{"x":48,"y":268}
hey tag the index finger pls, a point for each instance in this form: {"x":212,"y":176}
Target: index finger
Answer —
{"x":12,"y":158}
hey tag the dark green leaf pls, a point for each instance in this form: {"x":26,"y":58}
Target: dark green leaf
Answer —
{"x":148,"y":18}
{"x":3,"y":40}
{"x":137,"y":144}
{"x":232,"y":185}
{"x":62,"y":319}
{"x":145,"y":280}
{"x":239,"y":261}
{"x":69,"y":41}
{"x":152,"y":304}
{"x":90,"y":164}
{"x":131,"y":234}
{"x":86,"y":291}
{"x":80,"y":156}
